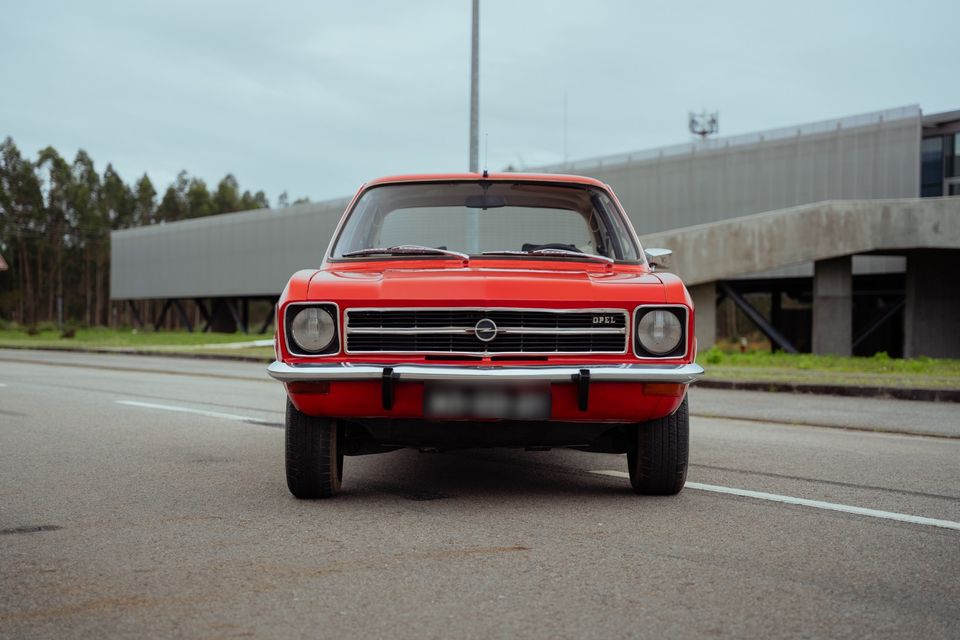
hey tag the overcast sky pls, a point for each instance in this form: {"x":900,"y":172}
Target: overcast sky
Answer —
{"x":314,"y":97}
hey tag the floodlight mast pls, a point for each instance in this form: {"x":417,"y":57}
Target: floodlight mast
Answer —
{"x":475,"y":89}
{"x":704,"y":124}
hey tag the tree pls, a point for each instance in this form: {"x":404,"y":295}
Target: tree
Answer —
{"x":145,"y":202}
{"x":20,"y":204}
{"x":57,"y":215}
{"x":227,"y":198}
{"x":117,"y":200}
{"x":92,"y":231}
{"x":199,"y":202}
{"x":173,"y":206}
{"x":255,"y":201}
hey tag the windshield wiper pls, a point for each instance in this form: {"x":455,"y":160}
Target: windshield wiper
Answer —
{"x":551,"y":252}
{"x":405,"y":250}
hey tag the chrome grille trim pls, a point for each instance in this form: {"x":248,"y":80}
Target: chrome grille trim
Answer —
{"x":509,"y":331}
{"x":442,"y":334}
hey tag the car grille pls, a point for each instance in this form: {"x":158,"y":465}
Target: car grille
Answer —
{"x":455,"y":331}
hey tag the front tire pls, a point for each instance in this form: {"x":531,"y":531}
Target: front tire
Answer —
{"x":657,"y":456}
{"x":313,"y":456}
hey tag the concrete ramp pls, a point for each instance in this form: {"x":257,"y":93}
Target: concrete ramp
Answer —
{"x":809,"y":233}
{"x":827,"y":234}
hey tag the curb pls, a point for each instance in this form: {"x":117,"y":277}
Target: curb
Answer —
{"x":827,"y":425}
{"x":853,"y":391}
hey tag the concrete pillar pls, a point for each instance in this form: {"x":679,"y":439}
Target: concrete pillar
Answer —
{"x":705,"y":309}
{"x":931,"y":318}
{"x":833,"y":306}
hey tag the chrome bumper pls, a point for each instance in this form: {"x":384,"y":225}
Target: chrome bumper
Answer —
{"x":681,"y":374}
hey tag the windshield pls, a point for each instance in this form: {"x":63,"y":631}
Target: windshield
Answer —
{"x":475,"y":218}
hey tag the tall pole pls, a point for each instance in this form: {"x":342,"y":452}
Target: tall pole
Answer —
{"x":475,"y":89}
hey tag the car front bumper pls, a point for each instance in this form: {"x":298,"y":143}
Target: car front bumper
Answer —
{"x":590,"y":393}
{"x":344,"y":372}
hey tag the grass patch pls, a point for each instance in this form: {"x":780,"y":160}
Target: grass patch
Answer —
{"x":879,"y":363}
{"x":101,"y":339}
{"x":879,"y":370}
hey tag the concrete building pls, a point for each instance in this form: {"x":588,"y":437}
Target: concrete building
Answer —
{"x":717,"y":196}
{"x":828,"y":235}
{"x":850,"y":301}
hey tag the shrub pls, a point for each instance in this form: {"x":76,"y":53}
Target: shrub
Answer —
{"x":713,"y":355}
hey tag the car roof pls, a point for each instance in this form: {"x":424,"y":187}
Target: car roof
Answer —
{"x":494,"y":177}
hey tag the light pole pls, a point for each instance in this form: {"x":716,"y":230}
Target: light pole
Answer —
{"x":475,"y":89}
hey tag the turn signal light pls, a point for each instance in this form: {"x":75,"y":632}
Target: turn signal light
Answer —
{"x":670,"y":389}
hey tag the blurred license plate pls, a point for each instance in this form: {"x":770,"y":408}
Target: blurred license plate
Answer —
{"x":514,"y":402}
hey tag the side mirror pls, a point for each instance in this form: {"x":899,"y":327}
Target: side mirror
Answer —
{"x":659,"y":258}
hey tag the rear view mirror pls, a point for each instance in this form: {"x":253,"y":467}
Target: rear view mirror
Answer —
{"x":659,"y":258}
{"x":485,"y":202}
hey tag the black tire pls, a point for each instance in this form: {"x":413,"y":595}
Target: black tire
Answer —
{"x":658,"y":455}
{"x":314,"y":459}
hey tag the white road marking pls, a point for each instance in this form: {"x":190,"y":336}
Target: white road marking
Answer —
{"x":199,"y":412}
{"x":816,"y":504}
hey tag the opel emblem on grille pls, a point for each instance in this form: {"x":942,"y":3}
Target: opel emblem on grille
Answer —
{"x":485,"y":330}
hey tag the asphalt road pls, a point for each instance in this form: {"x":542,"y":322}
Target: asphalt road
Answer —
{"x":145,"y":496}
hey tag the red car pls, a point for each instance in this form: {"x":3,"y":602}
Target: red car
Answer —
{"x":493,"y":310}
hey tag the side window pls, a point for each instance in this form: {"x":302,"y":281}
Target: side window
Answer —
{"x":618,"y":231}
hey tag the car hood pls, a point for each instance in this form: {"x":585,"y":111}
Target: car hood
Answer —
{"x":486,"y":286}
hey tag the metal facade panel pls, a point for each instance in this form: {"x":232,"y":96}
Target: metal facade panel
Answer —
{"x":874,"y":155}
{"x":236,"y":254}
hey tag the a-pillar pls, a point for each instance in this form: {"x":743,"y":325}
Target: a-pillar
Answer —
{"x":705,"y":312}
{"x":833,"y":306}
{"x":931,"y":316}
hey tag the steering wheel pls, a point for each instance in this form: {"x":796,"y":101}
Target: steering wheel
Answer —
{"x":527,"y":246}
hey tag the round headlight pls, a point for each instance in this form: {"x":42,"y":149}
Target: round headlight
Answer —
{"x":659,"y":332}
{"x":313,"y":329}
